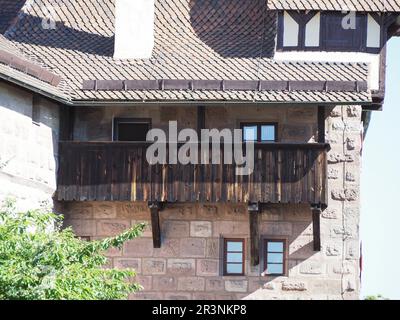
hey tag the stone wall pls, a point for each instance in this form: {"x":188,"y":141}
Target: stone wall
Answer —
{"x":341,"y":223}
{"x":28,"y":147}
{"x":295,"y":124}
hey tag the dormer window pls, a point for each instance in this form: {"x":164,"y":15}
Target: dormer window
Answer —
{"x":329,"y":31}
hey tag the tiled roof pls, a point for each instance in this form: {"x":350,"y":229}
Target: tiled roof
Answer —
{"x":207,"y":39}
{"x":22,"y":79}
{"x":9,"y":10}
{"x":336,"y":5}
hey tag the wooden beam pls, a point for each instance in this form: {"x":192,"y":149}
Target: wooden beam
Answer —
{"x":316,"y":214}
{"x":201,"y":119}
{"x":254,"y":219}
{"x":67,"y":117}
{"x":155,"y":208}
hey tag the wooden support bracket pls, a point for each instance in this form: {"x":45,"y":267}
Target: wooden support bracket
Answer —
{"x":254,"y":219}
{"x":155,"y":208}
{"x":316,"y":215}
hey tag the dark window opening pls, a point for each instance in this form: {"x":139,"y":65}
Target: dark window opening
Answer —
{"x":275,"y":257}
{"x":337,"y":35}
{"x":234,"y":257}
{"x":131,"y":129}
{"x":259,"y":132}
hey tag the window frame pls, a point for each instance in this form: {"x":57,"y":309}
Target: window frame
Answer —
{"x":259,"y":125}
{"x":119,"y":120}
{"x":225,"y":256}
{"x":265,"y":256}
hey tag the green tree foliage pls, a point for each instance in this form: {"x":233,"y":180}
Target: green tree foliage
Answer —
{"x":40,"y":260}
{"x":377,"y":297}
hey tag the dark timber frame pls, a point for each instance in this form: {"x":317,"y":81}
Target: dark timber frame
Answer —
{"x":316,"y":215}
{"x":303,"y":17}
{"x":321,"y":124}
{"x":155,"y":208}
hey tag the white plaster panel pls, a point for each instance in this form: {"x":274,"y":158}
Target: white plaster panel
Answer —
{"x":373,"y":33}
{"x":290,"y":31}
{"x":313,"y":31}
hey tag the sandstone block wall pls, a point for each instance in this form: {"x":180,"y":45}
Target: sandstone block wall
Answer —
{"x":295,"y":124}
{"x":188,"y":265}
{"x":28,"y":147}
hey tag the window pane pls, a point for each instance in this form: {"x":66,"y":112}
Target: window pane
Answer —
{"x":235,"y":246}
{"x":250,"y":133}
{"x":275,"y":247}
{"x":275,"y":269}
{"x":132,"y":131}
{"x":234,"y":257}
{"x":268,"y":133}
{"x":234,"y":268}
{"x":275,"y":258}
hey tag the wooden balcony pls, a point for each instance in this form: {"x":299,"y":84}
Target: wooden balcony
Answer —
{"x":114,"y":171}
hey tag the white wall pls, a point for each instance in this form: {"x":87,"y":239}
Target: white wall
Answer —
{"x":346,"y":57}
{"x":27,"y":151}
{"x":373,"y":33}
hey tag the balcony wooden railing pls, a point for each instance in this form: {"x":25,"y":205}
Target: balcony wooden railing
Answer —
{"x":115,"y":171}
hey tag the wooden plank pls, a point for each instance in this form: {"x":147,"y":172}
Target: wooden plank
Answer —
{"x":100,"y":192}
{"x":254,"y":220}
{"x":201,"y":120}
{"x":128,"y":180}
{"x":118,"y":171}
{"x":278,"y":181}
{"x":75,"y":188}
{"x":164,"y":187}
{"x":108,"y":172}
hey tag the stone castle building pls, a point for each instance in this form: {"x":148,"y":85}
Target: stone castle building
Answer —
{"x":82,"y":82}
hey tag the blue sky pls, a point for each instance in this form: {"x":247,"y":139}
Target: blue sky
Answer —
{"x":380,"y":190}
